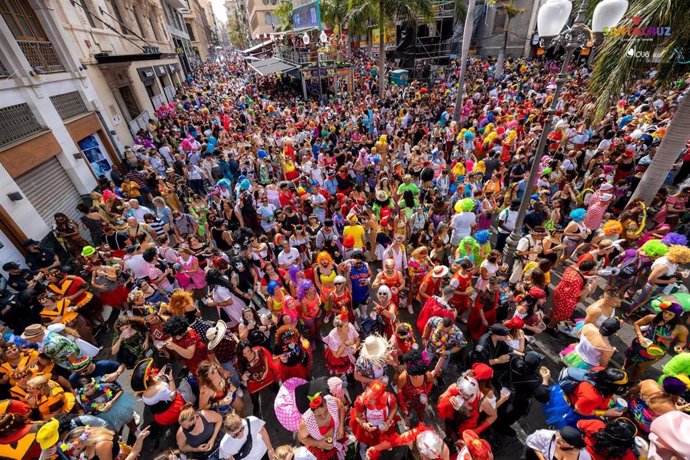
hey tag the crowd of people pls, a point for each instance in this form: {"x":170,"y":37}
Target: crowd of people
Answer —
{"x":253,"y":235}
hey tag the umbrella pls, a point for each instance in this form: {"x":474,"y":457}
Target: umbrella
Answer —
{"x":291,"y":401}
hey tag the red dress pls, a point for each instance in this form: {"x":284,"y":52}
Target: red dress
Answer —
{"x":590,"y":427}
{"x":393,"y":282}
{"x":474,"y":322}
{"x":200,"y":352}
{"x":410,"y":396}
{"x":375,"y":416}
{"x":467,"y":418}
{"x":298,"y":356}
{"x":461,"y":302}
{"x":341,"y":301}
{"x":256,"y":380}
{"x":432,"y":307}
{"x":567,"y":294}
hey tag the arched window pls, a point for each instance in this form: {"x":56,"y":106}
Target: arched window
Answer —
{"x":268,"y":19}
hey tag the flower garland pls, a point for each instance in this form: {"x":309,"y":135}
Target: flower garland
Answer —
{"x":69,"y":447}
{"x":438,"y":338}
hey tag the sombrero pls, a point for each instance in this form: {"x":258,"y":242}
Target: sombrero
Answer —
{"x":139,"y":379}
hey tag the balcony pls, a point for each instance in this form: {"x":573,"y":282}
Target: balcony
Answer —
{"x":3,"y":71}
{"x":41,"y":54}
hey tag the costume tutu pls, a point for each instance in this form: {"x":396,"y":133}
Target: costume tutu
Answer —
{"x":557,"y":411}
{"x":572,"y":358}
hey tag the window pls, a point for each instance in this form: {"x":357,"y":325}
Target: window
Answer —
{"x":265,"y":2}
{"x":69,"y":105}
{"x":268,"y":19}
{"x":22,"y":20}
{"x":17,"y":122}
{"x":118,"y":15}
{"x":87,"y":11}
{"x":153,"y":27}
{"x":190,"y":31}
{"x":142,"y":31}
{"x":129,"y":101}
{"x":499,"y":22}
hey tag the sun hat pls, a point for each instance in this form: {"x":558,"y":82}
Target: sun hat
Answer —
{"x":439,"y":271}
{"x":216,"y":333}
{"x":33,"y":331}
{"x":375,"y":348}
{"x":381,"y":195}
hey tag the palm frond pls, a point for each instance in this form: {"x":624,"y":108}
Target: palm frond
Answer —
{"x":621,"y":58}
{"x":460,"y":10}
{"x":512,"y":10}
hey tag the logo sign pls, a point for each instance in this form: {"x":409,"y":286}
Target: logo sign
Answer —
{"x":638,"y":30}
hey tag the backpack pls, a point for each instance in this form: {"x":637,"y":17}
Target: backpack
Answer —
{"x":571,"y":377}
{"x":630,"y":269}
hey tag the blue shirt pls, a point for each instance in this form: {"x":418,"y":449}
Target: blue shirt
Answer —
{"x":359,"y":277}
{"x":103,"y":367}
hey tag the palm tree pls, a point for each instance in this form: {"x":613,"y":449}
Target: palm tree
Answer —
{"x":284,"y":13}
{"x":334,"y":12}
{"x":511,"y":11}
{"x":615,"y":68}
{"x":361,"y":18}
{"x":401,"y":10}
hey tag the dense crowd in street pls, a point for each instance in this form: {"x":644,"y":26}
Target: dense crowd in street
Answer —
{"x":253,"y":233}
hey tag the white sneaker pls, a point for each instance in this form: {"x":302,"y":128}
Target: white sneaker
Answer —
{"x":137,"y":418}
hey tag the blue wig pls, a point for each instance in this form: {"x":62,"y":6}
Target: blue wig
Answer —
{"x":482,"y":236}
{"x":578,"y":215}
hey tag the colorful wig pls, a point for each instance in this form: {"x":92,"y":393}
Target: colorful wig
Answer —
{"x":673,"y":239}
{"x":654,"y":248}
{"x":474,"y":248}
{"x":612,"y":227}
{"x":464,"y":205}
{"x":578,"y":215}
{"x":482,"y":236}
{"x":324,"y":255}
{"x":678,"y":254}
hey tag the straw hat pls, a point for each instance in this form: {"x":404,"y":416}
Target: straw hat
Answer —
{"x":33,"y":331}
{"x":215,"y":334}
{"x":381,"y":195}
{"x":439,"y":271}
{"x":375,"y":348}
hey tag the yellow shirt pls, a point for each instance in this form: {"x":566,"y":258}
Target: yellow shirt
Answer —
{"x":357,"y":232}
{"x":531,"y":266}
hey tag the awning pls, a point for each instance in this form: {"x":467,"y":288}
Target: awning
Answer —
{"x":271,"y":66}
{"x":257,"y":48}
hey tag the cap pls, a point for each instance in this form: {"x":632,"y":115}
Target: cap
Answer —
{"x":499,"y":329}
{"x":30,"y":242}
{"x":537,"y":293}
{"x":81,"y":363}
{"x":482,"y":372}
{"x":572,"y":436}
{"x":47,"y":436}
{"x":514,"y":323}
{"x":10,"y":266}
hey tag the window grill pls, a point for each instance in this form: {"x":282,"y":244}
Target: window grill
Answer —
{"x":3,"y":70}
{"x":41,"y":54}
{"x":69,"y":105}
{"x":17,"y":122}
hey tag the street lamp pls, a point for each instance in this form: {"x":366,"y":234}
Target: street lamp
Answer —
{"x":553,"y":16}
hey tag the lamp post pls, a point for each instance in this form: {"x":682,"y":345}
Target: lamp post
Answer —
{"x":553,"y":16}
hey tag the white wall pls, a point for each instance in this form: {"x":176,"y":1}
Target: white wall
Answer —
{"x":22,"y":211}
{"x":8,"y":253}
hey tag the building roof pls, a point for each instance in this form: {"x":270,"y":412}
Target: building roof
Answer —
{"x":271,"y":66}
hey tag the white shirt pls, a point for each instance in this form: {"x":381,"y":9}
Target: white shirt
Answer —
{"x":462,"y":226}
{"x":139,"y":213}
{"x":229,"y":446}
{"x":544,"y":442}
{"x":508,"y":217}
{"x":138,"y":266}
{"x":287,"y":259}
